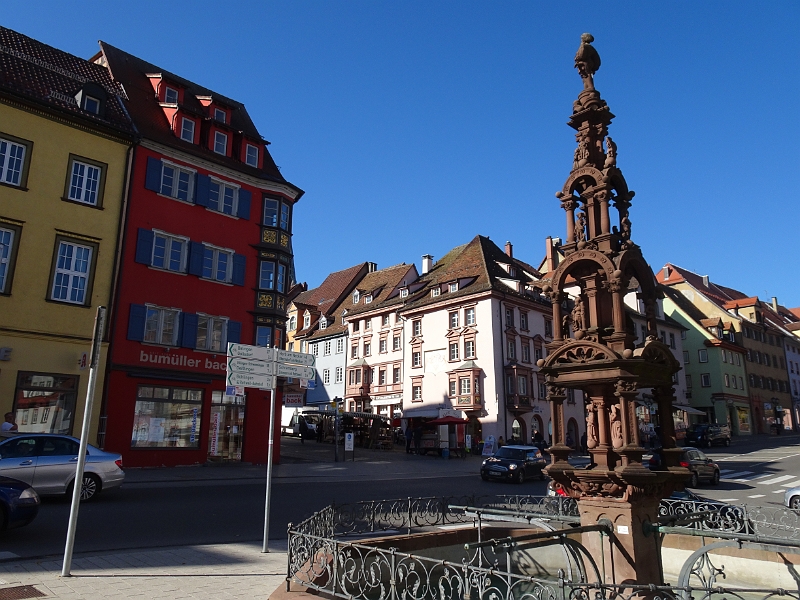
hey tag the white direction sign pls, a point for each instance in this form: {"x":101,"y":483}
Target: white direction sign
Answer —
{"x":252,"y":381}
{"x":253,"y":367}
{"x":256,"y":352}
{"x":295,"y":358}
{"x":295,"y":371}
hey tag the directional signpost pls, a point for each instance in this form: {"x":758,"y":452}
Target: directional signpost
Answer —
{"x":259,"y":367}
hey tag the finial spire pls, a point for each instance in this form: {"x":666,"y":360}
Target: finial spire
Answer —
{"x":587,"y":61}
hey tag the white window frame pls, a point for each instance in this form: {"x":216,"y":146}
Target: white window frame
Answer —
{"x":453,"y":287}
{"x":382,"y":346}
{"x":326,"y":376}
{"x":174,"y":190}
{"x":339,"y":375}
{"x":368,"y":299}
{"x":397,"y":374}
{"x":83,"y":187}
{"x":6,"y":250}
{"x":396,"y":343}
{"x":216,"y":251}
{"x":417,"y":327}
{"x":169,"y":240}
{"x":512,"y":350}
{"x":306,"y":321}
{"x":469,"y":316}
{"x":315,"y":349}
{"x":162,"y":312}
{"x":523,"y":320}
{"x":522,"y":385}
{"x":705,"y":380}
{"x":416,"y":392}
{"x":218,"y":112}
{"x":356,"y":297}
{"x":367,"y":348}
{"x":416,"y":359}
{"x":95,"y":109}
{"x":167,"y":91}
{"x":404,"y":293}
{"x":251,"y":158}
{"x":210,"y":322}
{"x":326,"y":348}
{"x":453,"y":319}
{"x":702,"y":355}
{"x":323,"y":324}
{"x":354,"y":351}
{"x":464,"y":386}
{"x":339,"y":345}
{"x":453,"y":352}
{"x":437,"y":291}
{"x":77,"y":281}
{"x":12,"y":167}
{"x":184,"y":122}
{"x":469,"y":349}
{"x":222,"y":186}
{"x":219,"y":136}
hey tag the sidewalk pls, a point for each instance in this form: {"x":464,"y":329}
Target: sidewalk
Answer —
{"x":201,"y":572}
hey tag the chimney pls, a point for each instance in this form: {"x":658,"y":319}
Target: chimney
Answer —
{"x":427,"y":263}
{"x":666,"y":272}
{"x":775,"y":303}
{"x":705,"y":280}
{"x":551,"y":257}
{"x":372,"y":267}
{"x":509,"y":250}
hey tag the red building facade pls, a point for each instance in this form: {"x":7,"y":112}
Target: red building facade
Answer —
{"x":205,"y":260}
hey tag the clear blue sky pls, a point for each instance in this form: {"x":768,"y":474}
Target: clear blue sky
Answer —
{"x":413,"y":126}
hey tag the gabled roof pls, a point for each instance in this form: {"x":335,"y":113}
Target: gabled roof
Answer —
{"x":476,"y":266}
{"x":37,"y":73}
{"x":383,"y":286}
{"x":132,"y":72}
{"x":325,"y":299}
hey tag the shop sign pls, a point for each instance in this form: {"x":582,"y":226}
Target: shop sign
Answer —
{"x":173,"y":359}
{"x":193,"y":435}
{"x":83,"y":362}
{"x":249,"y":380}
{"x":348,"y":442}
{"x":214,"y":434}
{"x":293,"y":400}
{"x":234,"y":390}
{"x":252,"y":367}
{"x":284,"y":370}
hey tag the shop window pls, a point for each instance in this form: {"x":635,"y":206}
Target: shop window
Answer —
{"x":9,"y":241}
{"x":72,"y":272}
{"x":45,"y":402}
{"x":226,"y":429}
{"x":167,"y":417}
{"x":85,"y":181}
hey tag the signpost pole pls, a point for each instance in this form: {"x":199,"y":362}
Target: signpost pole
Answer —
{"x":77,"y":485}
{"x":271,"y":438}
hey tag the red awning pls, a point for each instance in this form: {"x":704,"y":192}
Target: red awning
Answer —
{"x":448,"y":420}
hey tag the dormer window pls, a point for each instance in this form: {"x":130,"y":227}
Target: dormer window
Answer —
{"x":220,"y":115}
{"x":91,"y":98}
{"x":170,"y":96}
{"x":368,"y":299}
{"x":220,"y":143}
{"x":187,"y":130}
{"x":356,"y":297}
{"x":436,"y":292}
{"x":453,"y":287}
{"x":306,"y":320}
{"x":323,"y":323}
{"x":91,"y":104}
{"x":251,"y":156}
{"x":512,"y":271}
{"x":404,"y":293}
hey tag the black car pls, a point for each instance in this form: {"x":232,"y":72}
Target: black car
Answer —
{"x":514,"y":463}
{"x":698,"y":463}
{"x":19,"y":503}
{"x":704,"y":435}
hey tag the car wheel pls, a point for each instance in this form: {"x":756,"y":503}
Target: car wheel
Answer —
{"x":90,"y":488}
{"x":795,"y":502}
{"x":715,"y":478}
{"x":521,"y":477}
{"x":694,"y":481}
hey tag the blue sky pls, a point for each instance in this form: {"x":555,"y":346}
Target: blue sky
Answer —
{"x":413,"y":126}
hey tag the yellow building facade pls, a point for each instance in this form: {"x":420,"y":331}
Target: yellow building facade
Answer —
{"x":63,"y":168}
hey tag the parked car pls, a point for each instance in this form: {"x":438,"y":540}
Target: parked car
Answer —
{"x":514,"y":463}
{"x":46,"y":462}
{"x":792,"y":498}
{"x":698,"y":463}
{"x":19,"y":503}
{"x":704,"y":435}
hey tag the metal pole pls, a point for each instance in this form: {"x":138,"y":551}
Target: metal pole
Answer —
{"x":271,"y":443}
{"x":77,"y":484}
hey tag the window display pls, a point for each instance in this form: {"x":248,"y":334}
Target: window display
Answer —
{"x":167,"y":417}
{"x":45,"y":402}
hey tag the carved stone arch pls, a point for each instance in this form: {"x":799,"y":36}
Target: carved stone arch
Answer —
{"x":618,"y":183}
{"x":657,"y":353}
{"x":569,"y":263}
{"x":632,"y":264}
{"x":581,"y":352}
{"x":578,"y":176}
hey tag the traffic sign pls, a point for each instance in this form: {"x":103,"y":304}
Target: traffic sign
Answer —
{"x":256,"y":352}
{"x":253,"y":367}
{"x":295,"y":371}
{"x":253,"y":381}
{"x":295,"y":358}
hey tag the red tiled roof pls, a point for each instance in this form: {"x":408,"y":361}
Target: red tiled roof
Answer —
{"x":35,"y":72}
{"x":331,"y":291}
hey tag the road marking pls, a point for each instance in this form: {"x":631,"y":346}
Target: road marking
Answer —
{"x":777,"y":479}
{"x":779,"y":492}
{"x":754,"y":477}
{"x":756,"y":496}
{"x":729,"y":500}
{"x":739,"y":474}
{"x":790,"y":484}
{"x":725,"y":471}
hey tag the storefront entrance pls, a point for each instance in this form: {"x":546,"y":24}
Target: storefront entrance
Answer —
{"x":226,"y":427}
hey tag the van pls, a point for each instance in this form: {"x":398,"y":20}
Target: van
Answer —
{"x":290,"y":422}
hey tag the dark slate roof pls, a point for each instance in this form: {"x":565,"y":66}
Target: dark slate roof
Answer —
{"x":36,"y":73}
{"x":384,"y":286}
{"x":132,"y":73}
{"x":475,"y":266}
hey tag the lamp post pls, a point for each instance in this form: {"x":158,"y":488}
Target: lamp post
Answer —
{"x":335,"y":403}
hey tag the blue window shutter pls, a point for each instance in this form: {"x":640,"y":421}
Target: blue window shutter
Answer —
{"x":196,"y":259}
{"x":234,"y":331}
{"x":243,"y":210}
{"x":188,"y":330}
{"x":239,"y":265}
{"x":144,"y":246}
{"x":202,"y":188}
{"x":136,"y":322}
{"x":152,"y":180}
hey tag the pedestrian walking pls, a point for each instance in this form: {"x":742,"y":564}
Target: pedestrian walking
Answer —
{"x":303,"y":429}
{"x":409,"y":437}
{"x":418,"y":439}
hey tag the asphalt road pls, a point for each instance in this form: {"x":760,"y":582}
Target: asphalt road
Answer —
{"x":203,"y":512}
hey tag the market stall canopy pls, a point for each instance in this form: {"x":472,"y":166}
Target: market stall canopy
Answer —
{"x":448,"y":420}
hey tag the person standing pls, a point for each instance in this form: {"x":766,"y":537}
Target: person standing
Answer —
{"x":418,"y":439}
{"x":9,"y":424}
{"x":303,"y":429}
{"x":409,"y":437}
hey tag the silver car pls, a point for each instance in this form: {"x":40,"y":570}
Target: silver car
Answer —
{"x":47,"y":462}
{"x":792,"y":498}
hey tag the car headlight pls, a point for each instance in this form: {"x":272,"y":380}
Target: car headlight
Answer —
{"x":29,"y":495}
{"x":512,"y":466}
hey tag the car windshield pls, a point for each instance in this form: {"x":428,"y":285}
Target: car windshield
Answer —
{"x":515,"y":453}
{"x":698,"y":427}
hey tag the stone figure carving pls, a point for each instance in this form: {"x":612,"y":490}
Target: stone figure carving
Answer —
{"x":616,"y":428}
{"x":577,"y":316}
{"x":587,"y":61}
{"x":581,"y":153}
{"x":591,"y":426}
{"x":611,"y":153}
{"x":580,"y":228}
{"x":625,"y":228}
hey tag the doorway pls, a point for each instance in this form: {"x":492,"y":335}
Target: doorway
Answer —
{"x":226,"y":427}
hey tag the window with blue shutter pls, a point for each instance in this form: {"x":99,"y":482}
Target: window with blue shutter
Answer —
{"x":234,"y":332}
{"x":203,"y":187}
{"x":196,"y":259}
{"x":188,"y":338}
{"x":136,"y":322}
{"x":152,"y":180}
{"x":144,"y":246}
{"x":239,"y":266}
{"x":243,"y":210}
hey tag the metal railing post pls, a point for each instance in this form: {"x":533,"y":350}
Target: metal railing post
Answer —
{"x":335,"y":579}
{"x":408,"y":531}
{"x":392,"y":576}
{"x":372,"y":516}
{"x":288,"y":556}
